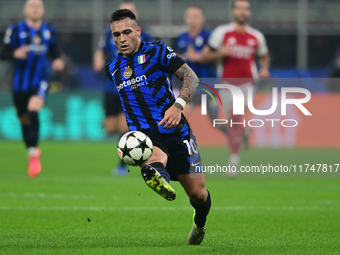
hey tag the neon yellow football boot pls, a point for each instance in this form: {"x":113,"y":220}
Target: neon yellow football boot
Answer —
{"x":196,"y":234}
{"x":156,"y":182}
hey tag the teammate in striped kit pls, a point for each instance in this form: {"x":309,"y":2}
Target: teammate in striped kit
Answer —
{"x":29,"y":43}
{"x":142,"y":75}
{"x":238,"y":45}
{"x":190,"y":45}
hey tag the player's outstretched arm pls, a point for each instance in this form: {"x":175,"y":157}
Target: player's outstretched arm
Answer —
{"x":172,"y":116}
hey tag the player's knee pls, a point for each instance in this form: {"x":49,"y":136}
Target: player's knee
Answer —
{"x":35,"y":103}
{"x":159,"y":159}
{"x":158,"y":156}
{"x":198,"y":196}
{"x":110,"y":129}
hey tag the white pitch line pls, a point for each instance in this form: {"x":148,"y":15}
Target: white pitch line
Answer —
{"x":312,"y":204}
{"x":227,"y":208}
{"x":46,"y":195}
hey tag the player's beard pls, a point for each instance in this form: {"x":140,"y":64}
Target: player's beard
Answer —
{"x":241,"y":21}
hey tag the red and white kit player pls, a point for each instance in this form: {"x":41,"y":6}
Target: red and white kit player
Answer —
{"x":238,"y":45}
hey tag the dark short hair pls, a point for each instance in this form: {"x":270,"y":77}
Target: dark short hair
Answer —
{"x":234,"y":2}
{"x":122,"y":14}
{"x":196,"y":6}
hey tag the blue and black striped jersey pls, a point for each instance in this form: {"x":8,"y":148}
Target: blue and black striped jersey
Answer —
{"x":185,"y":40}
{"x":107,"y":44}
{"x":144,"y":85}
{"x":40,"y":44}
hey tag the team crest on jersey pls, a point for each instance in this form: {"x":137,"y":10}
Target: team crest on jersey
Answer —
{"x":199,"y":41}
{"x":36,"y":39}
{"x":47,"y":34}
{"x":141,"y":59}
{"x":127,"y":72}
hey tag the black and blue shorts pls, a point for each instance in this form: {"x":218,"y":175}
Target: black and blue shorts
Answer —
{"x":21,"y":98}
{"x":182,"y":151}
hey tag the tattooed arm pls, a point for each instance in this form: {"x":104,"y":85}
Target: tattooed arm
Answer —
{"x":173,"y":115}
{"x":190,"y":84}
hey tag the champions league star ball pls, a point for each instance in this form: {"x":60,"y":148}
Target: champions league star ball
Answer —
{"x":135,"y":148}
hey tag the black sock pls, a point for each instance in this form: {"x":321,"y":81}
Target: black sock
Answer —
{"x":24,"y":129}
{"x":201,"y":211}
{"x":33,"y":129}
{"x":160,"y":168}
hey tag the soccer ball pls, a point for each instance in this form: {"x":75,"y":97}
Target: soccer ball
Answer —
{"x":135,"y":148}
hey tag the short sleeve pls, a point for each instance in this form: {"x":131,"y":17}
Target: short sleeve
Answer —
{"x":53,"y":34}
{"x":207,"y":34}
{"x":262,"y":48}
{"x":54,"y":48}
{"x":10,"y":43}
{"x":169,"y":59}
{"x":105,"y":42}
{"x":10,"y":36}
{"x":216,"y":38}
{"x":181,"y":44}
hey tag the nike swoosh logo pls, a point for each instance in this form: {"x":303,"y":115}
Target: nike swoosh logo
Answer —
{"x":114,"y":72}
{"x":196,"y":164}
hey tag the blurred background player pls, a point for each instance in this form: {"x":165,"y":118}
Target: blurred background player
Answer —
{"x":107,"y":50}
{"x":29,"y":43}
{"x":189,"y":46}
{"x":238,"y":44}
{"x":190,"y":43}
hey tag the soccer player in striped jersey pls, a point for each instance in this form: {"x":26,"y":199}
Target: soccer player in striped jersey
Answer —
{"x":191,"y":42}
{"x":142,"y":75}
{"x":190,"y":45}
{"x":29,"y":43}
{"x":107,"y":50}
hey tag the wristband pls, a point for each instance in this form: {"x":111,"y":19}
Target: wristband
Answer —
{"x":181,"y":102}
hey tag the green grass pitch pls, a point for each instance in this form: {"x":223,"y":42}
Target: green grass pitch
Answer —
{"x":76,"y":206}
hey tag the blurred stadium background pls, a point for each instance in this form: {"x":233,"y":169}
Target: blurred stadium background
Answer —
{"x":303,"y":37}
{"x":74,"y":207}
